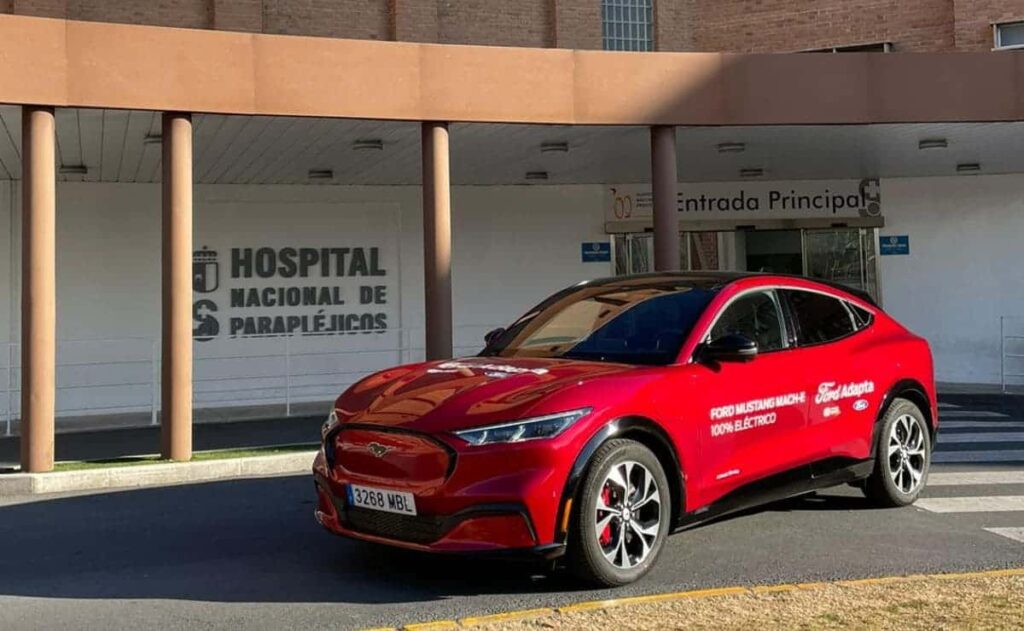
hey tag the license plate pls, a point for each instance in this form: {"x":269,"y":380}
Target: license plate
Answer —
{"x":381,"y":499}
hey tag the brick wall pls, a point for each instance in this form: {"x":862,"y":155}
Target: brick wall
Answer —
{"x":180,"y":13}
{"x":357,"y":19}
{"x":974,"y":19}
{"x":577,"y":24}
{"x":415,"y":20}
{"x":680,"y":25}
{"x":791,"y":25}
{"x":676,"y":24}
{"x":238,"y":15}
{"x":496,"y":22}
{"x":40,"y":8}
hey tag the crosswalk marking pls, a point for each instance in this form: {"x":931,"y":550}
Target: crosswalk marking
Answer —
{"x":982,"y":437}
{"x":990,"y":438}
{"x":984,"y":504}
{"x":976,"y":477}
{"x":1006,"y":455}
{"x":1017,"y":534}
{"x":971,"y":414}
{"x":944,"y":425}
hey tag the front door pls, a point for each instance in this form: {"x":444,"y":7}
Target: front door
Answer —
{"x":753,"y":412}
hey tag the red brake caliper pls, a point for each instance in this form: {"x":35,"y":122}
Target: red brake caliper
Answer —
{"x":606,"y":534}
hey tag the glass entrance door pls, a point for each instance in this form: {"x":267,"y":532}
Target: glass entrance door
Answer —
{"x":634,"y":253}
{"x":842,"y":255}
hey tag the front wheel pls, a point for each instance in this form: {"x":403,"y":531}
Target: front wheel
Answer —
{"x":903,"y":456}
{"x":622,"y":515}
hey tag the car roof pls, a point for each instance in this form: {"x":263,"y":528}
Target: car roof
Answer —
{"x":716,"y":281}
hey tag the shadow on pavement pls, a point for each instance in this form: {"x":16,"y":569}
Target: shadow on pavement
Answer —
{"x":238,"y":541}
{"x":245,"y":541}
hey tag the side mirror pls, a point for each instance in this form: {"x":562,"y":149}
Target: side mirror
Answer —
{"x":732,"y":347}
{"x":491,"y":336}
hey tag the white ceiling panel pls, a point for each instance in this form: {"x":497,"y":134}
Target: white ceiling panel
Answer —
{"x":280,"y":150}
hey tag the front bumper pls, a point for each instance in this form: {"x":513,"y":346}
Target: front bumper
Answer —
{"x":488,"y":501}
{"x":486,"y":528}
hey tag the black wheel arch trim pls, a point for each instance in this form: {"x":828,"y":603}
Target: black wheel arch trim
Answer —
{"x":626,"y":426}
{"x":916,"y":393}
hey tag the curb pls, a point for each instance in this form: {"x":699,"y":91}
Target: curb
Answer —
{"x":154,"y":475}
{"x":698,"y":594}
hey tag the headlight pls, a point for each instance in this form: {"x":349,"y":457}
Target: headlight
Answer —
{"x":329,"y":424}
{"x":535,"y":428}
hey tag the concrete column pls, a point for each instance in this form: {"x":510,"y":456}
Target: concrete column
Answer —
{"x":437,"y":241}
{"x":38,"y":288}
{"x":665,"y":190}
{"x":176,"y":386}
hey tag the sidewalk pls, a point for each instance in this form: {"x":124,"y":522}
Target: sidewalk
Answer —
{"x":116,"y":443}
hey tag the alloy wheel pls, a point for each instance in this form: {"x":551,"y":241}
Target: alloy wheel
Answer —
{"x":907,"y":453}
{"x":628,"y":515}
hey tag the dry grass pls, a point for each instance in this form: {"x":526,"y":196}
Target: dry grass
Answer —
{"x":955,"y":604}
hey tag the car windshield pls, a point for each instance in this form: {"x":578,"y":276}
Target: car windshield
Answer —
{"x":631,"y":321}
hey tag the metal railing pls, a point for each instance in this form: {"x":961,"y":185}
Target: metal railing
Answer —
{"x":1011,"y":349}
{"x":121,"y":377}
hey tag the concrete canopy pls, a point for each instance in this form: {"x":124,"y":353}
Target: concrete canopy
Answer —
{"x":68,"y":63}
{"x":124,"y":146}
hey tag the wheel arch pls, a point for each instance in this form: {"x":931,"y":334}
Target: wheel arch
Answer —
{"x":642,"y":430}
{"x":913,"y":391}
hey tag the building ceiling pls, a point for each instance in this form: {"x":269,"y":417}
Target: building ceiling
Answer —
{"x":113,"y":146}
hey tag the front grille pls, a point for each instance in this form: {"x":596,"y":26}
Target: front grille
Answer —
{"x":388,"y":456}
{"x":393,"y":526}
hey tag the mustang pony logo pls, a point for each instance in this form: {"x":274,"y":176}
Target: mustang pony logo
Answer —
{"x":378,"y":449}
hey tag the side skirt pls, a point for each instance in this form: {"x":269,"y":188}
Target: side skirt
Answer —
{"x":815,"y":476}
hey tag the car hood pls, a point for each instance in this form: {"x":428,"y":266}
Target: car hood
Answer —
{"x":460,"y":393}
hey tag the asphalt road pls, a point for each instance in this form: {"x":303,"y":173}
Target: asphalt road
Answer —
{"x":247,"y":554}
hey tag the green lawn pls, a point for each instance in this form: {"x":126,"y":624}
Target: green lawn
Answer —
{"x":217,"y":454}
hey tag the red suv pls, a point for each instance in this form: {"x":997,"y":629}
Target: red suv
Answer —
{"x":620,"y":410}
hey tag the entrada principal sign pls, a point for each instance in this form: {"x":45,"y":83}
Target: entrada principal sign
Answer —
{"x":737,"y":200}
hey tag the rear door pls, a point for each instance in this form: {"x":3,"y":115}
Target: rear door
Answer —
{"x":843,"y":397}
{"x":751,"y":412}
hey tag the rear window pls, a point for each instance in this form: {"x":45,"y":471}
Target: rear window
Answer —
{"x":819,"y":318}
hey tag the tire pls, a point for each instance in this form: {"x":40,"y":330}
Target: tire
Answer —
{"x":899,"y":477}
{"x":607,"y":557}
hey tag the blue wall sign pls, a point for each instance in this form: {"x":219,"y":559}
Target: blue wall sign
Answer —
{"x":596,"y":252}
{"x":894,"y":244}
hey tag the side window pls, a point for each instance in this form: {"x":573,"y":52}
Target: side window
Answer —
{"x":819,"y":318}
{"x":756,"y":316}
{"x":862,"y":316}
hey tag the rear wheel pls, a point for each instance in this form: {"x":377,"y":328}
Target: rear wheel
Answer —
{"x":903,"y":456}
{"x":621,"y":516}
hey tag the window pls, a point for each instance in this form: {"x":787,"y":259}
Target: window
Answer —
{"x":863,"y":317}
{"x":819,"y":318}
{"x":1009,"y":35}
{"x":628,"y":24}
{"x":635,"y":322}
{"x":755,"y":316}
{"x":880,"y":47}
